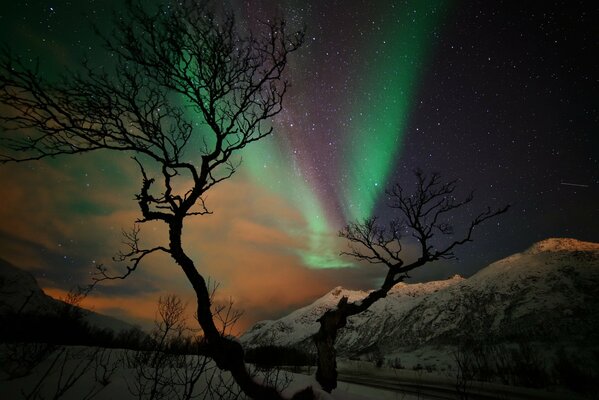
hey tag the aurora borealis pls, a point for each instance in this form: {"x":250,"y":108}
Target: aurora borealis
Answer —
{"x":334,"y":181}
{"x":498,"y":95}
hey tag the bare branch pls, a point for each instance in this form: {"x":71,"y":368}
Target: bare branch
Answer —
{"x":423,"y":214}
{"x":132,"y":256}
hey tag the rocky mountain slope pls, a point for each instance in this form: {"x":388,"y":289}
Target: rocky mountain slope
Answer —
{"x":548,"y":293}
{"x":20,"y":293}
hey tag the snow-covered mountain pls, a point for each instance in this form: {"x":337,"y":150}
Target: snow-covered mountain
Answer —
{"x":20,"y":293}
{"x":548,"y":293}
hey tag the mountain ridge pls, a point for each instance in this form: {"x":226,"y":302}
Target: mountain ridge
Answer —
{"x":548,"y":292}
{"x":20,"y":293}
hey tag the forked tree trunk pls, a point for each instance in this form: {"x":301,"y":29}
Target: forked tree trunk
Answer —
{"x":227,"y":353}
{"x":330,"y":323}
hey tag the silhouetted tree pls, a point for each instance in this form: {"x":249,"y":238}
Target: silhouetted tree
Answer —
{"x":170,"y":365}
{"x":172,"y":66}
{"x":424,"y":215}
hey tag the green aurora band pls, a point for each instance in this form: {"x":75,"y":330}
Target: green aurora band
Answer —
{"x":379,"y":111}
{"x":382,"y":107}
{"x":267,"y":167}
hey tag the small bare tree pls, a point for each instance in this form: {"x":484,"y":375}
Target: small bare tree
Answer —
{"x":425,"y":215}
{"x":170,"y":364}
{"x":173,"y":66}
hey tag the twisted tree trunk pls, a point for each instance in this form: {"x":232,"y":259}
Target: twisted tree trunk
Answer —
{"x":227,"y":353}
{"x":330,"y":323}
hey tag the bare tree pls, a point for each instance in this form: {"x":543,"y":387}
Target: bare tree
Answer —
{"x":425,"y":216}
{"x":169,"y":365}
{"x":172,"y":66}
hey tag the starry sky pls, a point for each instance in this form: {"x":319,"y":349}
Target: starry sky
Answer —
{"x":500,"y":95}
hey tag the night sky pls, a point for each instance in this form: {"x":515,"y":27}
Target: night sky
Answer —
{"x":502,"y":96}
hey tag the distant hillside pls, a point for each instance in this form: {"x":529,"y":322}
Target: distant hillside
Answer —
{"x":548,"y":293}
{"x":20,"y":293}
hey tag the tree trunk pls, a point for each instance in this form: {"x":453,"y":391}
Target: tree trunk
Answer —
{"x":227,"y":353}
{"x":330,"y":323}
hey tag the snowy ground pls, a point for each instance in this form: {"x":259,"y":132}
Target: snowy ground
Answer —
{"x":68,"y":372}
